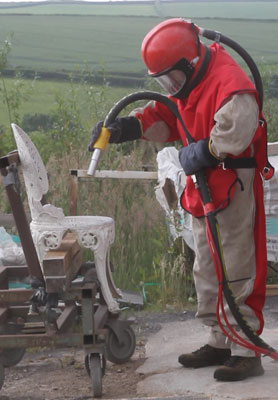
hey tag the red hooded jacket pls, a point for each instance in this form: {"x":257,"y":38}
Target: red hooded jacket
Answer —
{"x":222,"y":79}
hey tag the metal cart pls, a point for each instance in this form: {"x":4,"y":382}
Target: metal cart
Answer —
{"x":66,"y":303}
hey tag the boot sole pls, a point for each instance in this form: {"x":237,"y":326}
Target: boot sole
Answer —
{"x":221,"y":376}
{"x":203,"y":365}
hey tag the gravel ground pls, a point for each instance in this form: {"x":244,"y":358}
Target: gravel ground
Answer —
{"x":48,"y":374}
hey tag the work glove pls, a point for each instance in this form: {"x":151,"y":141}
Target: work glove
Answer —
{"x":196,"y":156}
{"x":121,"y":130}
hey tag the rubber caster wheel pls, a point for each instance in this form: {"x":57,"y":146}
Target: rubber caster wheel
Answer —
{"x":95,"y":367}
{"x":102,"y":363}
{"x":11,"y":357}
{"x":2,"y":375}
{"x":120,"y":352}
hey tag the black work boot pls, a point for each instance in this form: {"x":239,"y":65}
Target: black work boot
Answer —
{"x":238,"y":368}
{"x":204,"y":357}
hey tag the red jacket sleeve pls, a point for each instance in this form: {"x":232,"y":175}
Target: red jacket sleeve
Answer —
{"x":157,"y":120}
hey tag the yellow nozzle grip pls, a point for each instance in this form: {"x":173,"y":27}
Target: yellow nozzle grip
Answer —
{"x":103,"y":139}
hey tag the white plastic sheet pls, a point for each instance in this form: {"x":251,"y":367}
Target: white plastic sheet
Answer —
{"x":180,"y":222}
{"x":170,"y":168}
{"x":10,"y":252}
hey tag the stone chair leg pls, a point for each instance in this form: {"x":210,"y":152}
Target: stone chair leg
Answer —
{"x":116,"y":292}
{"x":99,"y":241}
{"x":101,"y":267}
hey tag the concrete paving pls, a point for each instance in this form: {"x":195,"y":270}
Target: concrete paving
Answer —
{"x":165,"y":377}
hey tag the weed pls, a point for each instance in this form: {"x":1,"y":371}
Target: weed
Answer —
{"x":143,"y":259}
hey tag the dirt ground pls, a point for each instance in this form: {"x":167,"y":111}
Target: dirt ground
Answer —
{"x":48,"y":374}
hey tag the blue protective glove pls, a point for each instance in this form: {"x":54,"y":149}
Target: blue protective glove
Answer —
{"x":121,"y":130}
{"x":196,"y":156}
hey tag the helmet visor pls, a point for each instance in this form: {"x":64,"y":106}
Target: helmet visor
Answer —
{"x":173,"y":81}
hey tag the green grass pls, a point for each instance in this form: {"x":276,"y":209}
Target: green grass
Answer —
{"x":42,"y":97}
{"x":244,"y":10}
{"x":40,"y":100}
{"x":81,"y":9}
{"x":255,"y":10}
{"x":63,"y":43}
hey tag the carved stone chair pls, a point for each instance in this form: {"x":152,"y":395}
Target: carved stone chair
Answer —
{"x":49,"y":224}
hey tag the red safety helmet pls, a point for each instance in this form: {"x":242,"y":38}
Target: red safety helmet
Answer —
{"x":173,"y":54}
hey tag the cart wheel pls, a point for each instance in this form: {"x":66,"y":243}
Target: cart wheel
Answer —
{"x":2,"y":375}
{"x":102,"y":363}
{"x":120,"y":352}
{"x":95,"y":368}
{"x":11,"y":357}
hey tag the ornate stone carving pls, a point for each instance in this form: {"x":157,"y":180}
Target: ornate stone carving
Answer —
{"x":49,"y":223}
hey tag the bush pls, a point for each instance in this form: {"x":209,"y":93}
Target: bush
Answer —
{"x":37,"y":122}
{"x":272,"y":91}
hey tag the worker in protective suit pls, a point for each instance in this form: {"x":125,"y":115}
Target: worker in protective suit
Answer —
{"x":219,"y":105}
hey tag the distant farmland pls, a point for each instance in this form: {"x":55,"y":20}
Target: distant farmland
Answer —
{"x":51,"y":38}
{"x":80,"y":9}
{"x":54,"y":40}
{"x":207,"y":9}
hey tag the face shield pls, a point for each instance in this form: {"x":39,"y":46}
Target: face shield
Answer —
{"x":172,"y":82}
{"x":174,"y":79}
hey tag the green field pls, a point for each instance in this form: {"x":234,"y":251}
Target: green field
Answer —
{"x":57,"y":43}
{"x":64,"y":37}
{"x":254,"y":10}
{"x":81,"y":9}
{"x":64,"y":43}
{"x":226,"y":9}
{"x":42,"y":97}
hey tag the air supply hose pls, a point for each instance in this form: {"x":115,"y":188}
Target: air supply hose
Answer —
{"x":219,"y":37}
{"x":213,"y":234}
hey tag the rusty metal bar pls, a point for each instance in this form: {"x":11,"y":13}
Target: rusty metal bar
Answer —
{"x":100,"y":317}
{"x":88,"y":316}
{"x":10,"y":296}
{"x":9,"y":159}
{"x":23,"y":229}
{"x":4,"y":278}
{"x":66,"y":319}
{"x":3,"y":314}
{"x":73,"y":193}
{"x":20,"y":311}
{"x":17,"y":271}
{"x":40,"y":340}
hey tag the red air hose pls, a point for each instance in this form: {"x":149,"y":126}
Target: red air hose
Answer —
{"x":231,"y":334}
